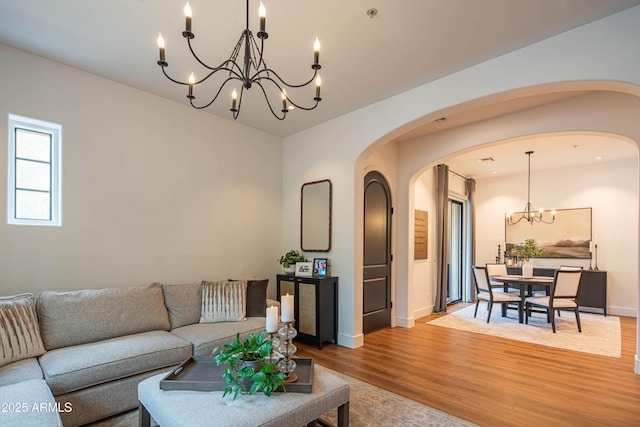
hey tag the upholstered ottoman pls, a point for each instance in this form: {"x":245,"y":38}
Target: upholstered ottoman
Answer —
{"x":171,"y":408}
{"x":29,"y":403}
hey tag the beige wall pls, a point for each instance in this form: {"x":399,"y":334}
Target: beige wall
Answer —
{"x":152,"y":190}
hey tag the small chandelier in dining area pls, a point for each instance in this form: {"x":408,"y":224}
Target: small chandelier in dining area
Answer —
{"x":246,"y":65}
{"x":530,"y":214}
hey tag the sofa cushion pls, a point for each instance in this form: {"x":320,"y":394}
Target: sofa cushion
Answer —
{"x":33,"y":405}
{"x":73,"y":368}
{"x":183,"y":302}
{"x":206,"y":336}
{"x":19,"y":332}
{"x":257,"y":298}
{"x":79,"y":317}
{"x":224,"y":301}
{"x":22,"y":370}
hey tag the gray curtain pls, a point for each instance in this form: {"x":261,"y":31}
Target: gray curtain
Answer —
{"x":442,"y":238}
{"x":470,"y":291}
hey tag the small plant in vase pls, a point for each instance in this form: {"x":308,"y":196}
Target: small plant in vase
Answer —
{"x":527,"y":250}
{"x":288,"y":261}
{"x":248,"y":371}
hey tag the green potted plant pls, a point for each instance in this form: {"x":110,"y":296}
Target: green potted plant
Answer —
{"x":527,"y":250}
{"x":248,"y":372}
{"x":288,"y":261}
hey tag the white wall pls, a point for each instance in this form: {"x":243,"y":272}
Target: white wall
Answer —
{"x":152,"y":189}
{"x":424,"y":270}
{"x":610,"y":189}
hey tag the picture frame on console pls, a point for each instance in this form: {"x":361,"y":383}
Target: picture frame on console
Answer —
{"x":304,"y":269}
{"x":320,"y":266}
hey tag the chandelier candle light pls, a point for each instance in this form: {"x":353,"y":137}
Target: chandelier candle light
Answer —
{"x":250,"y":70}
{"x":529,"y":213}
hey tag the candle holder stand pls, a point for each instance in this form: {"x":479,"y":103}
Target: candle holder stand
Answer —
{"x":596,"y":266}
{"x":274,"y":356}
{"x":287,"y":349}
{"x":590,"y":257}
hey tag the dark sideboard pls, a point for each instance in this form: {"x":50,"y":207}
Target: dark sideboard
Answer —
{"x":315,"y":306}
{"x":593,"y":287}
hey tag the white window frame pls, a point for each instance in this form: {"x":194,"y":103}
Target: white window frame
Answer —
{"x":55,"y":130}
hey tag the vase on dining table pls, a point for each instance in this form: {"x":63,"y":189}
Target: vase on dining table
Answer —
{"x":527,"y":269}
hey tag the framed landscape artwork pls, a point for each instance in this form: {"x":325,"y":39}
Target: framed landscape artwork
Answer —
{"x":567,"y":237}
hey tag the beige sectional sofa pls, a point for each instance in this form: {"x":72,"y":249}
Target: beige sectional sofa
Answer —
{"x":98,"y":344}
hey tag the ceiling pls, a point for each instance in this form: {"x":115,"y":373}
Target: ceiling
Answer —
{"x":551,"y":151}
{"x":364,"y":60}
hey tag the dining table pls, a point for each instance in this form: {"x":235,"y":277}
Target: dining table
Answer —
{"x":525,"y":284}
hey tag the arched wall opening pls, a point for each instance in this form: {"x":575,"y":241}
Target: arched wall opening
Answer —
{"x":405,"y":160}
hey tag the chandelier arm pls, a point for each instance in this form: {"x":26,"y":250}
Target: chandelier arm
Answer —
{"x":261,"y":62}
{"x":284,"y":115}
{"x":220,"y":67}
{"x":302,"y":107}
{"x":172,"y":79}
{"x":215,"y":97}
{"x":275,"y":83}
{"x":511,"y":222}
{"x":258,"y":76}
{"x":223,"y":66}
{"x":231,"y":71}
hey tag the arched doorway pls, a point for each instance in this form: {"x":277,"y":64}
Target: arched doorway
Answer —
{"x":376,"y":287}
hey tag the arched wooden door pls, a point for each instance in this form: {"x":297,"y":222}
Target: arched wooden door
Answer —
{"x":377,"y":253}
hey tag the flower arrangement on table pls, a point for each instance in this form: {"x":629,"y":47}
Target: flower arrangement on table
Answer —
{"x":527,"y":250}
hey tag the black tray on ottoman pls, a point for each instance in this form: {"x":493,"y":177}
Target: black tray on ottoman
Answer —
{"x":202,"y":374}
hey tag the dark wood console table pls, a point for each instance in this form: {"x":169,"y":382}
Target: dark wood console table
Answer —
{"x":593,"y":287}
{"x":315,"y":306}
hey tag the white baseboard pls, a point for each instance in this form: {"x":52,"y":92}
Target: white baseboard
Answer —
{"x":422,"y":312}
{"x":622,"y":311}
{"x":350,"y":341}
{"x":405,"y":322}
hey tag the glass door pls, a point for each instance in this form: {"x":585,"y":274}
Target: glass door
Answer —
{"x":456,"y":255}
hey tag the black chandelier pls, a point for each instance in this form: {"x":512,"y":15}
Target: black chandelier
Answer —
{"x":252,"y":70}
{"x":529,"y":213}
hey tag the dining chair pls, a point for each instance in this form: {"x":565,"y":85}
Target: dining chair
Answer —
{"x":498,"y":270}
{"x":492,"y":296}
{"x":563,"y":296}
{"x":569,"y":267}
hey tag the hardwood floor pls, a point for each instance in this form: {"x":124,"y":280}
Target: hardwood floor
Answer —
{"x":494,"y":381}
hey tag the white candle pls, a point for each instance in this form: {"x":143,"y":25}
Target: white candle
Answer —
{"x":272,"y":319}
{"x":591,"y":246}
{"x":287,"y":308}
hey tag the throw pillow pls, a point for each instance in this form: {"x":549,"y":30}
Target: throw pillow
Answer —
{"x":223,"y":301}
{"x":257,"y":298}
{"x":19,"y":332}
{"x":256,"y":295}
{"x":184,"y":303}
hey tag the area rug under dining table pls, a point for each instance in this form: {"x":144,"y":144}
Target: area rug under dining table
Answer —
{"x":600,"y":334}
